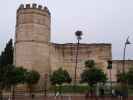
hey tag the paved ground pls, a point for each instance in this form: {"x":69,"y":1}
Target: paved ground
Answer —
{"x":66,"y":98}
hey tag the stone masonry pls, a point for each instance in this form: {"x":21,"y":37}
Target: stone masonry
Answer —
{"x":32,"y":38}
{"x":64,"y":55}
{"x":34,"y":51}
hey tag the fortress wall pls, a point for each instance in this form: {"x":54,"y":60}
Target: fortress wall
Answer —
{"x":32,"y":38}
{"x":118,"y":65}
{"x":31,"y":55}
{"x":66,"y":56}
{"x":56,"y":59}
{"x":32,"y":32}
{"x":34,"y":51}
{"x":33,"y":23}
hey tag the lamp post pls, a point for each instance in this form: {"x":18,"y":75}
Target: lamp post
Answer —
{"x":124,"y":53}
{"x":78,"y":34}
{"x":125,"y":90}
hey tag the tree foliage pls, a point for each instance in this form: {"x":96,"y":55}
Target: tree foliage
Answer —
{"x":60,"y":76}
{"x":126,"y":77}
{"x":6,"y":57}
{"x":11,"y":75}
{"x":89,"y":63}
{"x":122,"y":77}
{"x":32,"y":77}
{"x":130,"y":76}
{"x":16,"y":76}
{"x":92,"y":75}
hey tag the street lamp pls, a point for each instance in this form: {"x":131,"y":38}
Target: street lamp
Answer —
{"x":124,"y":83}
{"x":78,"y":34}
{"x":124,"y":53}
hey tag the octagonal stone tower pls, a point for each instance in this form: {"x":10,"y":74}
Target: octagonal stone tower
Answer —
{"x":32,"y":38}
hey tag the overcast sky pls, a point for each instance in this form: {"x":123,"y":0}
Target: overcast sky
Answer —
{"x":102,"y":21}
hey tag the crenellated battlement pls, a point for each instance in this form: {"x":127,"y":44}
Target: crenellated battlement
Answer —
{"x":33,"y":6}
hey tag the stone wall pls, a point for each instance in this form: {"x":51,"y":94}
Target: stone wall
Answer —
{"x":117,"y":67}
{"x":64,"y":55}
{"x":34,"y":51}
{"x":32,"y":38}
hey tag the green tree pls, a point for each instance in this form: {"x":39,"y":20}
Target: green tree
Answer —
{"x":32,"y":77}
{"x":2,"y":81}
{"x":60,"y":76}
{"x":126,"y":77}
{"x":92,"y":75}
{"x":12,"y":76}
{"x":122,"y":77}
{"x":130,"y":76}
{"x":6,"y":58}
{"x":89,"y":64}
{"x":15,"y":76}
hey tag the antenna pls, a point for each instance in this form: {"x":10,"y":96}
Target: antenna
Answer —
{"x":127,"y":41}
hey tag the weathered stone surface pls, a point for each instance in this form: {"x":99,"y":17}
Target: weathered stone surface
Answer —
{"x":32,"y":39}
{"x":64,"y":55}
{"x":118,"y":67}
{"x":34,"y":51}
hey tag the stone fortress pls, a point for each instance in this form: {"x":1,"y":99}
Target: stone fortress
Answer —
{"x":33,"y":49}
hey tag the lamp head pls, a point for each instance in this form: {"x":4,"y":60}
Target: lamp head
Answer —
{"x":78,"y":34}
{"x":127,"y":41}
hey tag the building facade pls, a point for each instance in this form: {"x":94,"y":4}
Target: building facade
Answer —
{"x":34,"y":51}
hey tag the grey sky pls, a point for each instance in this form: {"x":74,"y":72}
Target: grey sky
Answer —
{"x":101,"y":21}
